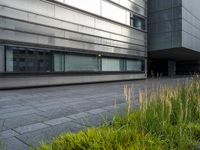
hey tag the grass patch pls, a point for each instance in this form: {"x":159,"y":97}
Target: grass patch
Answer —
{"x":168,"y":118}
{"x":2,"y":147}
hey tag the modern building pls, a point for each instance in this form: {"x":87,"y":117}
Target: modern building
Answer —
{"x":52,"y":42}
{"x":174,"y":36}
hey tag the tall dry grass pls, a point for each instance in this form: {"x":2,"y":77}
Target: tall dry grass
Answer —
{"x":171,"y":112}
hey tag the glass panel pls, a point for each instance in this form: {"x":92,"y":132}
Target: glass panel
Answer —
{"x":9,"y":60}
{"x":109,"y":64}
{"x":37,"y":60}
{"x":60,"y":1}
{"x":81,"y":63}
{"x":21,"y":65}
{"x":59,"y":62}
{"x":113,"y":12}
{"x":138,"y":22}
{"x":44,"y":61}
{"x":92,"y":6}
{"x":27,"y":60}
{"x":134,"y":65}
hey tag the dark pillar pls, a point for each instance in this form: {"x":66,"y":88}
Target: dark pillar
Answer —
{"x":171,"y":68}
{"x":2,"y":59}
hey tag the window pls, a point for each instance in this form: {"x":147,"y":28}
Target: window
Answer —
{"x":59,"y":62}
{"x":22,"y":64}
{"x":114,"y":12}
{"x":81,"y":63}
{"x":134,"y":65}
{"x":138,"y":22}
{"x":37,"y":60}
{"x":10,"y":61}
{"x":112,"y":64}
{"x":27,"y":60}
{"x":92,"y":6}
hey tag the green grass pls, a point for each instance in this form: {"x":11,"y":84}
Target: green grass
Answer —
{"x":168,"y":118}
{"x":2,"y":145}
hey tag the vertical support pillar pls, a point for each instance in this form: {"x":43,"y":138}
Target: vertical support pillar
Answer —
{"x":171,"y":68}
{"x":146,"y":67}
{"x":2,"y":59}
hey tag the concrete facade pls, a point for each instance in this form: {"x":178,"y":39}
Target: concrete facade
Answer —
{"x":190,"y":25}
{"x":174,"y":34}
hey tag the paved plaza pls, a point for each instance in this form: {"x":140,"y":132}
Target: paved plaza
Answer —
{"x":31,"y":116}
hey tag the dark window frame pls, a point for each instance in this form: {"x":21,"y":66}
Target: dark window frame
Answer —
{"x":134,"y":18}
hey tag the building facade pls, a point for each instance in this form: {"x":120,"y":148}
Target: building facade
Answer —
{"x":52,"y":42}
{"x":174,"y":36}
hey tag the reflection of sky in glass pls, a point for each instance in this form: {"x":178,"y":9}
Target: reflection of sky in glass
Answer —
{"x":108,"y":9}
{"x":89,"y":5}
{"x":113,"y":12}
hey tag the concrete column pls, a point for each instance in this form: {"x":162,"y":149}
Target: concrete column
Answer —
{"x":2,"y":59}
{"x":171,"y":68}
{"x":146,"y":67}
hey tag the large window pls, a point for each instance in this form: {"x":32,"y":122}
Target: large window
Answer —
{"x":138,"y":22}
{"x":59,"y":62}
{"x":81,"y":63}
{"x":115,"y":13}
{"x":27,"y":60}
{"x":36,"y":60}
{"x":134,"y":65}
{"x":102,"y":8}
{"x":68,"y":62}
{"x":92,"y":6}
{"x":111,"y":64}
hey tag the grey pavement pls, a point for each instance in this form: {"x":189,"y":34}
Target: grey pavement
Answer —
{"x":29,"y":117}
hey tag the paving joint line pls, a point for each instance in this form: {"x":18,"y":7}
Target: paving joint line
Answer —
{"x":13,"y":129}
{"x":30,"y":146}
{"x":4,"y":120}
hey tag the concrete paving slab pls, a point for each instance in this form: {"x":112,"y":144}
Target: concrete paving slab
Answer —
{"x":15,"y":109}
{"x":87,"y":106}
{"x":1,"y":124}
{"x":57,"y":113}
{"x":79,"y":115}
{"x":7,"y":134}
{"x":13,"y":144}
{"x":30,"y":128}
{"x":57,"y":121}
{"x":93,"y":120}
{"x":19,"y":113}
{"x":23,"y":120}
{"x":96,"y":111}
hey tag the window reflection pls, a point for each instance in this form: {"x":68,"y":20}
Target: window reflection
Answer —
{"x":134,"y":65}
{"x":92,"y":6}
{"x":138,"y":22}
{"x":59,"y":62}
{"x":36,"y":60}
{"x":81,"y":63}
{"x":27,"y":60}
{"x":109,"y":64}
{"x":104,"y":8}
{"x":114,"y":12}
